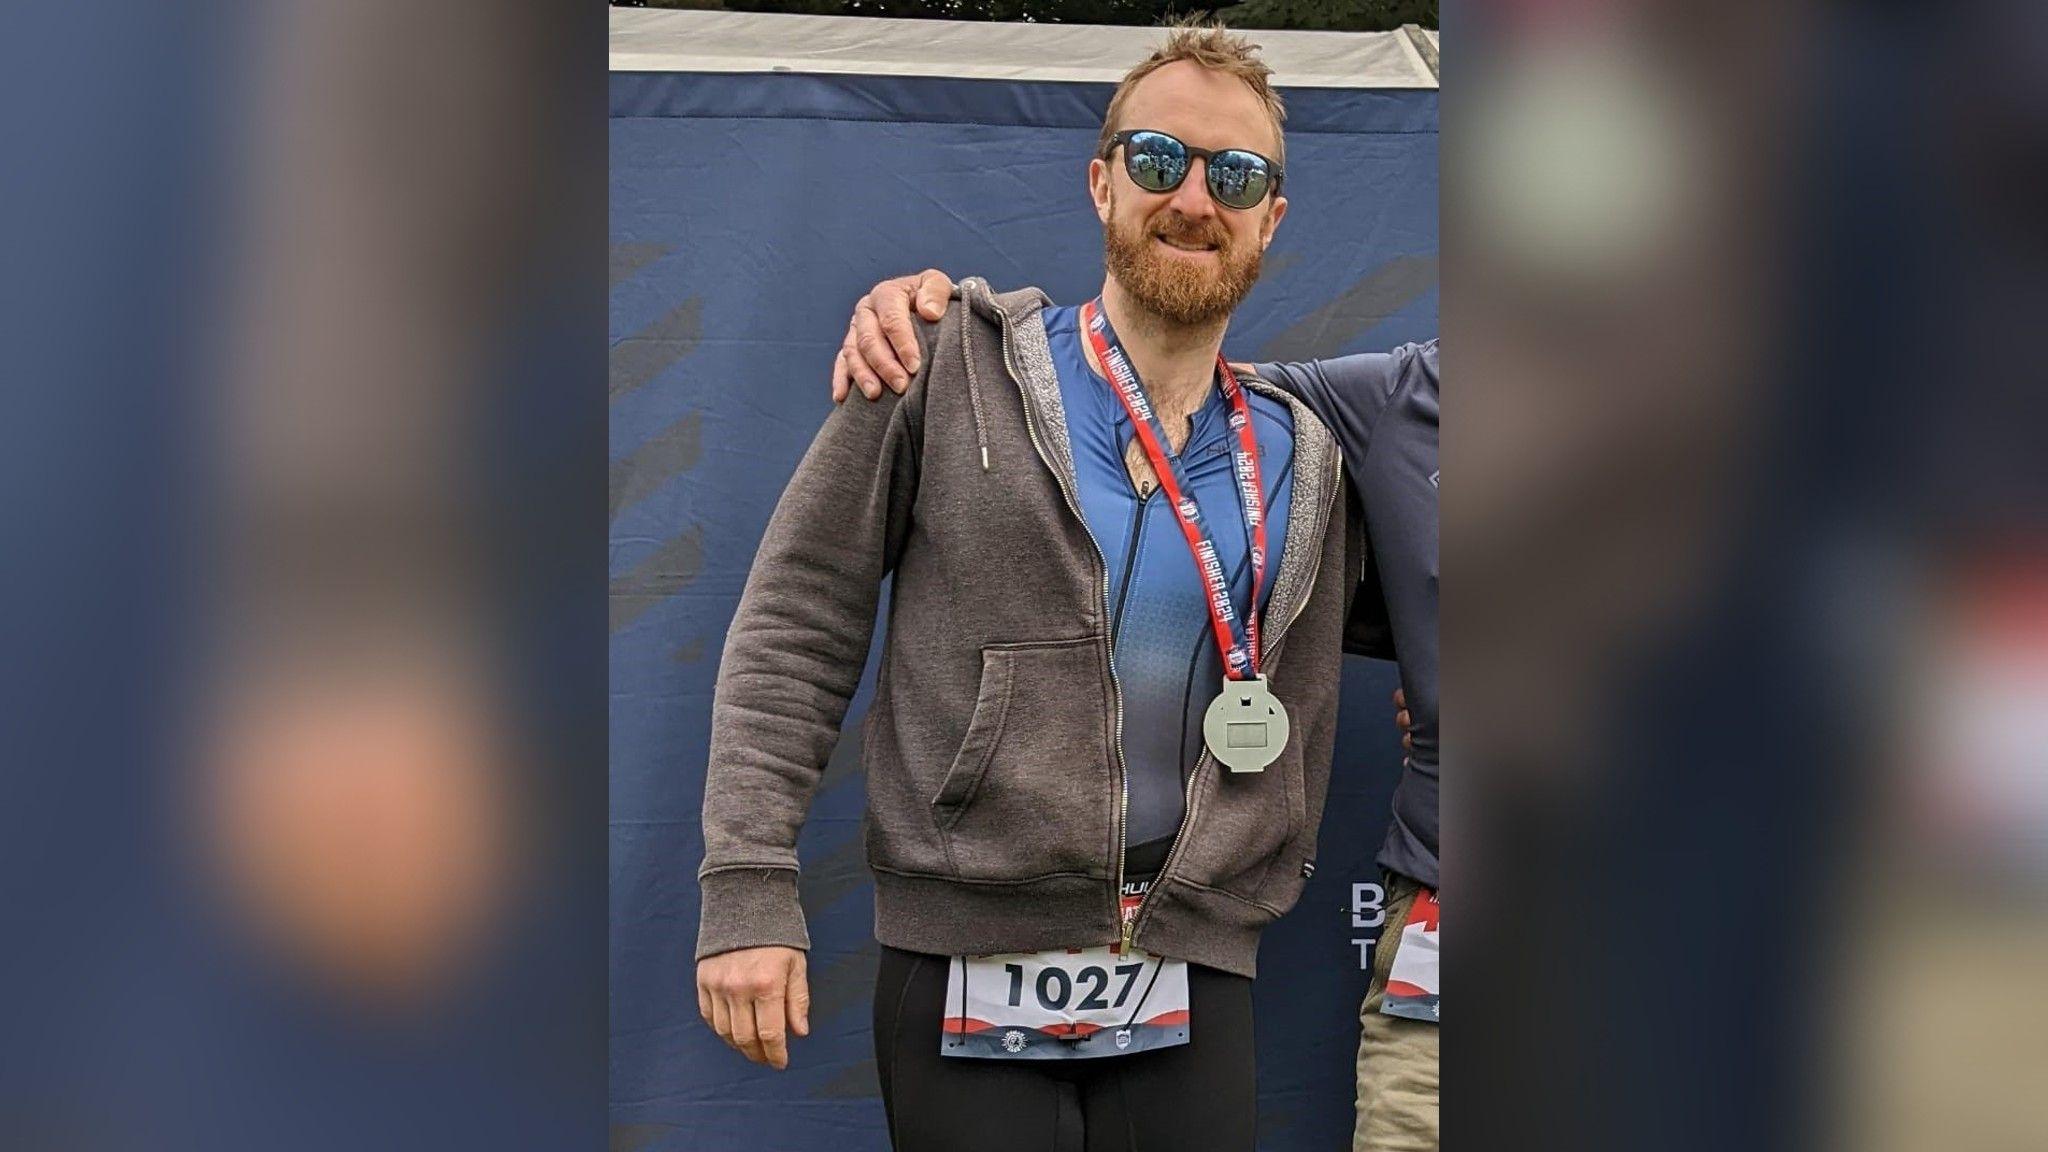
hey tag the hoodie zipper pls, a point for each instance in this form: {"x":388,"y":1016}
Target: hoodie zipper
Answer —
{"x":1115,"y":685}
{"x":1271,"y":652}
{"x":1128,"y":927}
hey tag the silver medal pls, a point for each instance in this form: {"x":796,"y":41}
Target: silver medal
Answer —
{"x":1246,"y":727}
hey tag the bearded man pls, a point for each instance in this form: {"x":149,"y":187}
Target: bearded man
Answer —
{"x":1101,"y":737}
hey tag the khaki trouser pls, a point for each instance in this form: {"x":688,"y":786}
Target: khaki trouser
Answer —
{"x":1397,"y":1077}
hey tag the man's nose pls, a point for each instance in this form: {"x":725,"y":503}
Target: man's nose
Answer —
{"x":1191,"y":199}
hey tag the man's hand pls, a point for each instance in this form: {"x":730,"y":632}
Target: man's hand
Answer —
{"x":754,"y":999}
{"x":1404,"y":721}
{"x":881,"y":342}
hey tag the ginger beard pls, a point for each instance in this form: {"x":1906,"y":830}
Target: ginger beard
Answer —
{"x":1190,"y":292}
{"x":1180,"y":290}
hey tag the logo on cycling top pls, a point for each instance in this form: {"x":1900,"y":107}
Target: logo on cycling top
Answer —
{"x":1123,"y":1038}
{"x":1014,"y":1041}
{"x":1188,"y":509}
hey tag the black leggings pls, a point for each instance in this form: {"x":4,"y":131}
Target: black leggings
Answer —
{"x":1198,"y":1096}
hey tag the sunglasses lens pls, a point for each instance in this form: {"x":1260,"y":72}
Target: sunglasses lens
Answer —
{"x":1156,"y":162}
{"x":1238,"y":179}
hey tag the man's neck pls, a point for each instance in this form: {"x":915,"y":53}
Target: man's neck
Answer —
{"x":1175,"y":363}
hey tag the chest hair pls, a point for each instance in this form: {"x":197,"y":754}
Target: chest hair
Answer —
{"x":1179,"y":423}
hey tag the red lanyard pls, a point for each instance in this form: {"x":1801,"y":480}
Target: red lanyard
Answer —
{"x":1237,"y":637}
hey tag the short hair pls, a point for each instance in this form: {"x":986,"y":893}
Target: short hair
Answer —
{"x":1208,"y":43}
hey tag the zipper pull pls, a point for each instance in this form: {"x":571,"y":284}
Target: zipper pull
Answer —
{"x":1130,"y":925}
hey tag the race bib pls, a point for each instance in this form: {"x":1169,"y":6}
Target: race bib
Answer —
{"x":1412,"y":983}
{"x":1064,"y":1004}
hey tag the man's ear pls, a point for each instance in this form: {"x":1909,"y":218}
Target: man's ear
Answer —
{"x":1098,"y":188}
{"x":1272,"y":223}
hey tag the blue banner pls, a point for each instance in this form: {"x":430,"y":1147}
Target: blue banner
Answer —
{"x":748,"y":213}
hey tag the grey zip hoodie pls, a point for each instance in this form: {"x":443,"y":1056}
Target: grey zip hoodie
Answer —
{"x":994,"y":773}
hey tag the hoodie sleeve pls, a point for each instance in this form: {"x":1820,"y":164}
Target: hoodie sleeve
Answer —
{"x":793,"y":658}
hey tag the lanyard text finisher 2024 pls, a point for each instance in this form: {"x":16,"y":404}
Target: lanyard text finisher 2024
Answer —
{"x":1246,"y":726}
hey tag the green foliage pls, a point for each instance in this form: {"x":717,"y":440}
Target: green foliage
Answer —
{"x":1336,"y":15}
{"x":1344,"y":15}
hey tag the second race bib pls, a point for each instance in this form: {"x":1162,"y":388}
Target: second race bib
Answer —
{"x":1412,"y":984}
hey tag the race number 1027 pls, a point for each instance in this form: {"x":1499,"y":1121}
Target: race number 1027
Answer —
{"x":1054,"y":988}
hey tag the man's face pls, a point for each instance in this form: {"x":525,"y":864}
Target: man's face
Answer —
{"x":1180,"y":254}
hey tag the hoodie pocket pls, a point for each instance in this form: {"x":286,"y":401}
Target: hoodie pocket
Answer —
{"x":1030,"y":790}
{"x":1246,"y":837}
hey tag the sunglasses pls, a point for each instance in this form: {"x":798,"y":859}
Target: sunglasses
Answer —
{"x":1157,"y":162}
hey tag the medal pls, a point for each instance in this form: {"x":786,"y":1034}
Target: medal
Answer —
{"x":1245,"y":727}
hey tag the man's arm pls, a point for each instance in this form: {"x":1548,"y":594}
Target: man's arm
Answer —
{"x":881,"y":338}
{"x":1348,"y":393}
{"x":792,"y":660}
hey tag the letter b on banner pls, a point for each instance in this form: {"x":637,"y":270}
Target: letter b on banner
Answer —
{"x":1368,"y":910}
{"x":1368,"y":898}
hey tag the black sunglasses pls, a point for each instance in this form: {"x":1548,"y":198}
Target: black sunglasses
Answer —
{"x":1157,"y":162}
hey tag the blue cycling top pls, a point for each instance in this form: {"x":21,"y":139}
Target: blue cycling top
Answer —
{"x":1161,"y":643}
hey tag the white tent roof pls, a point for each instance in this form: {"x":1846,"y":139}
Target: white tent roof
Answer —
{"x":665,"y":40}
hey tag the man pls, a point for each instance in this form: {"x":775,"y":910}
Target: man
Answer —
{"x":1100,"y":741}
{"x":1383,"y":409}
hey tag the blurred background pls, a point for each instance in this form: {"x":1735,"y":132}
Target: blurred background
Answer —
{"x":1744,"y":575}
{"x":303,"y":813}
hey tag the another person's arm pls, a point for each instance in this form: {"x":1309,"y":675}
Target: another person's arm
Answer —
{"x":793,"y":658}
{"x":1348,"y":393}
{"x":1404,"y":721}
{"x":881,"y":340}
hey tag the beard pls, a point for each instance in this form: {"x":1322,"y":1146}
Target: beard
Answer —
{"x":1189,"y":293}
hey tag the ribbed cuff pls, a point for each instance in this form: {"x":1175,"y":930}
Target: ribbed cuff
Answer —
{"x":750,"y":908}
